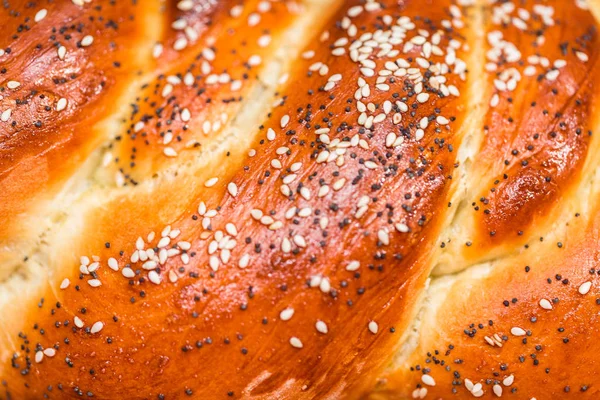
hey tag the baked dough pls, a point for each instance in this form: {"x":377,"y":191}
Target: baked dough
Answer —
{"x":299,"y":199}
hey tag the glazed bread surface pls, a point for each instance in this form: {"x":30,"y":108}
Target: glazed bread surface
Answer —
{"x":386,"y":199}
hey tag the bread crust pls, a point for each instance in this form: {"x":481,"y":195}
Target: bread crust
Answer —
{"x":262,"y":199}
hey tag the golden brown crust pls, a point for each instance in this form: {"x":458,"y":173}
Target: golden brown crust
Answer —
{"x":289,"y":254}
{"x":63,"y":68}
{"x":185,"y":108}
{"x":341,"y":179}
{"x":542,"y":73}
{"x":531,"y":331}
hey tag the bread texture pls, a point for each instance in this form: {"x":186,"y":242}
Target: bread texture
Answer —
{"x":310,"y":199}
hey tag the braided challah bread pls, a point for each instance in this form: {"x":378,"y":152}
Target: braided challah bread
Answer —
{"x":280,"y":199}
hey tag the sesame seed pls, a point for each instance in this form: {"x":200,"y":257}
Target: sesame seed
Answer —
{"x":87,"y":40}
{"x":113,"y":264}
{"x":61,"y":104}
{"x":97,"y":327}
{"x":5,"y":116}
{"x":211,"y":182}
{"x":185,"y":5}
{"x":582,"y":56}
{"x":78,"y":322}
{"x":516,"y":331}
{"x":154,"y":277}
{"x":497,"y":389}
{"x":295,"y":342}
{"x":232,"y":189}
{"x":61,"y":52}
{"x":169,"y":152}
{"x":585,"y":287}
{"x":352,"y":266}
{"x":428,"y":380}
{"x":508,"y":380}
{"x":545,"y":304}
{"x":373,"y":327}
{"x":284,"y":121}
{"x":321,"y":327}
{"x":40,"y":15}
{"x":95,"y":283}
{"x":49,"y":352}
{"x":286,"y":314}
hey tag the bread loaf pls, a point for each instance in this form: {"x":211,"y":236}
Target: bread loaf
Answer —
{"x":384,"y":199}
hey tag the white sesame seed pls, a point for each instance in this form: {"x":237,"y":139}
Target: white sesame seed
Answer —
{"x":232,"y":189}
{"x":286,"y":314}
{"x":185,"y":5}
{"x":508,"y":380}
{"x":235,"y":11}
{"x":299,"y":241}
{"x":169,"y":152}
{"x":355,"y":11}
{"x":87,"y":40}
{"x":545,"y":304}
{"x":13,"y":84}
{"x":400,"y":227}
{"x":353,"y":266}
{"x":254,"y":60}
{"x":185,"y":115}
{"x":40,"y":15}
{"x":5,"y":116}
{"x":495,"y":100}
{"x":428,"y":380}
{"x":154,"y":277}
{"x":552,"y":75}
{"x":150,"y":264}
{"x":515,"y":330}
{"x":477,"y":390}
{"x":264,"y":40}
{"x":139,"y":243}
{"x":78,"y":322}
{"x":211,"y":182}
{"x":468,"y":384}
{"x":422,"y":97}
{"x":253,"y":19}
{"x":94,"y":283}
{"x":582,"y":56}
{"x":39,"y":356}
{"x":373,"y":327}
{"x":383,"y":237}
{"x":284,"y":121}
{"x":325,"y":285}
{"x":321,"y":327}
{"x":113,"y":264}
{"x":49,"y":352}
{"x":65,"y":283}
{"x":157,"y":50}
{"x":180,"y":44}
{"x":244,"y":261}
{"x":419,"y":134}
{"x":497,"y":390}
{"x":97,"y":327}
{"x":295,"y":342}
{"x":61,"y":104}
{"x":441,"y":120}
{"x":585,"y":287}
{"x":560,"y":63}
{"x":128,"y":272}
